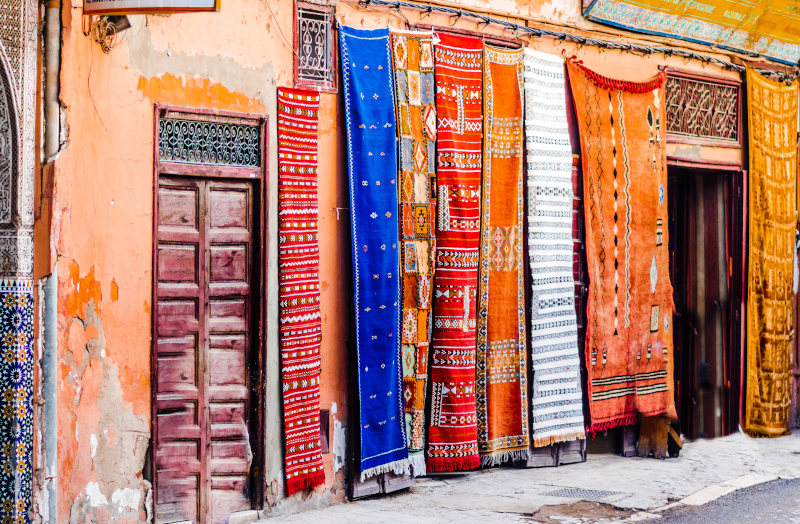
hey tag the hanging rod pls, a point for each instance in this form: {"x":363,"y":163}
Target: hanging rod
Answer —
{"x":581,"y":40}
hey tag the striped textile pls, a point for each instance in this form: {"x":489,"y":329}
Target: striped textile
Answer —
{"x":452,"y":435}
{"x":298,"y":292}
{"x":556,"y":401}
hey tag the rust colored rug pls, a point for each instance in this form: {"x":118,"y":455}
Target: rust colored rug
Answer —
{"x":501,"y":395}
{"x":629,"y":313}
{"x":772,"y":122}
{"x":452,"y":433}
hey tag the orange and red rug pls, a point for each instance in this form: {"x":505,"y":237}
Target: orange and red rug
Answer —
{"x":629,"y":333}
{"x":501,"y":361}
{"x":452,"y":433}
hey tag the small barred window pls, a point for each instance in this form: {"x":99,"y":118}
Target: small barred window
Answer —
{"x":314,"y":47}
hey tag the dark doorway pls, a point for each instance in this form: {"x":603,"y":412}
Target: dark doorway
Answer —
{"x":706,"y":237}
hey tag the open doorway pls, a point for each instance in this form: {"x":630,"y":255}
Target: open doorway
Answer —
{"x":706,"y":243}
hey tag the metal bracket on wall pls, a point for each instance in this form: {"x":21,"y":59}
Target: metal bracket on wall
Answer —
{"x":104,"y":29}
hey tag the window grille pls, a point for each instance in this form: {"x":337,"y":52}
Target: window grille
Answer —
{"x":703,"y":109}
{"x":209,"y":143}
{"x":314,"y":45}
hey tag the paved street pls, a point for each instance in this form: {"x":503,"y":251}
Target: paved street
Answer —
{"x":608,"y":487}
{"x":773,"y":503}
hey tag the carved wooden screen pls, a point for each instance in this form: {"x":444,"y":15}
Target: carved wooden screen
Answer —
{"x":703,"y":110}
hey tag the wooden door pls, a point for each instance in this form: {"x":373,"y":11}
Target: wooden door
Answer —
{"x":203,"y":341}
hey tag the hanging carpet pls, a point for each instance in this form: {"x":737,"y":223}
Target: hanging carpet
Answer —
{"x":298,"y":274}
{"x":629,"y":312}
{"x":372,"y":164}
{"x":452,"y":435}
{"x":557,"y":400}
{"x":772,"y":125}
{"x":501,"y":393}
{"x":412,"y":53}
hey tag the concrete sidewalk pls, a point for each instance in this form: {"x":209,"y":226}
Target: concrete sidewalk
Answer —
{"x":706,"y":469}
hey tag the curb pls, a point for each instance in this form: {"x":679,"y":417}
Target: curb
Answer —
{"x":705,"y":495}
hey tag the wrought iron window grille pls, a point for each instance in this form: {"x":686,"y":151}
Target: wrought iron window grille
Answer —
{"x":209,"y":143}
{"x":314,"y":47}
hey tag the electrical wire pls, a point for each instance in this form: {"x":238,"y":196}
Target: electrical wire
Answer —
{"x":580,"y":40}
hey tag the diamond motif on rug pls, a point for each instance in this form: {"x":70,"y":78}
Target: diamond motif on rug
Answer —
{"x":429,"y":121}
{"x":400,"y":52}
{"x":420,"y":157}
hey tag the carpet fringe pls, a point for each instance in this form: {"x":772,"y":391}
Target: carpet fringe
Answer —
{"x":307,"y":481}
{"x":448,"y":465}
{"x":556,"y":439}
{"x":501,"y":457}
{"x":417,"y":461}
{"x":624,"y":85}
{"x":398,"y":467}
{"x":611,"y":424}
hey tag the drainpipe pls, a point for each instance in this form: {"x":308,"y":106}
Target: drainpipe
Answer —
{"x":48,"y":296}
{"x":52,"y":65}
{"x":49,"y":285}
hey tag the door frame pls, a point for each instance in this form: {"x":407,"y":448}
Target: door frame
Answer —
{"x":736,"y":225}
{"x":260,"y":178}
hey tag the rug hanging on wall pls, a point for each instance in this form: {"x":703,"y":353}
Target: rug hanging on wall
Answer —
{"x":556,"y":396}
{"x":629,"y":311}
{"x":452,"y":434}
{"x":501,"y":380}
{"x":298,"y":275}
{"x":372,"y":164}
{"x":412,"y":53}
{"x":772,"y":125}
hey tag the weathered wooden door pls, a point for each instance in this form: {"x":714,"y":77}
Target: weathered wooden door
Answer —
{"x":203,"y":343}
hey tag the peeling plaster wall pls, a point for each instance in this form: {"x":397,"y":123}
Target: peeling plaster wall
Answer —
{"x":95,"y":222}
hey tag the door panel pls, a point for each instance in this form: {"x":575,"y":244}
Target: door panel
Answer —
{"x":203,"y":345}
{"x":230,"y":240}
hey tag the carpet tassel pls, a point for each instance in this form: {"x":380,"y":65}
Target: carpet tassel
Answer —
{"x":307,"y":481}
{"x":611,"y":424}
{"x":417,"y":461}
{"x":557,"y":439}
{"x":501,"y":457}
{"x":449,"y":465}
{"x":398,"y":467}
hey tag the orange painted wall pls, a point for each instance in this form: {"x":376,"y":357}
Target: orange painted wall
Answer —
{"x":98,"y":228}
{"x":100,"y":235}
